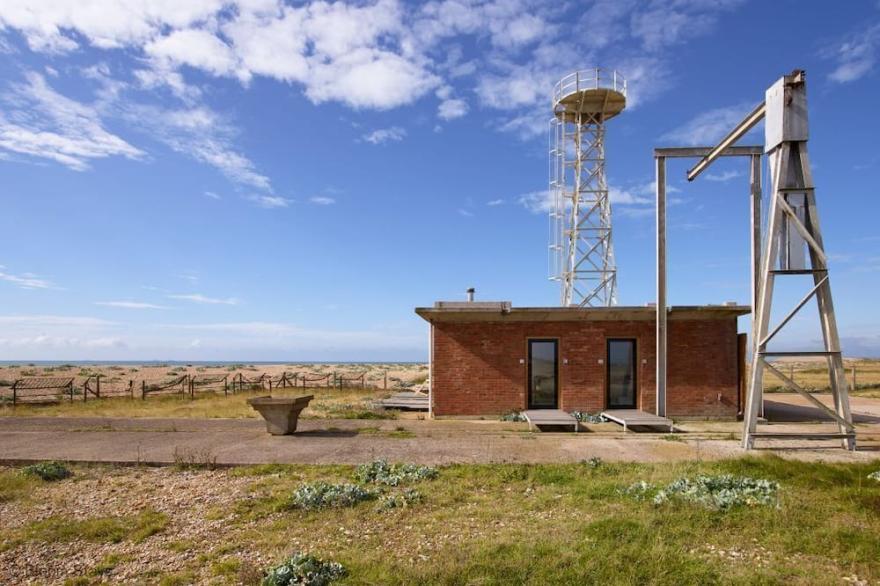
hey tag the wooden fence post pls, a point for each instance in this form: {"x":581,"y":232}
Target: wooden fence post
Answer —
{"x":225,"y":386}
{"x":71,"y":391}
{"x":143,"y":390}
{"x":14,"y":392}
{"x":385,"y":384}
{"x":854,"y":377}
{"x":99,"y":386}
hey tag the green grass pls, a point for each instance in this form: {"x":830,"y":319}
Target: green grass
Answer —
{"x":828,"y":517}
{"x":63,"y":529}
{"x":14,"y":485}
{"x":522,"y":524}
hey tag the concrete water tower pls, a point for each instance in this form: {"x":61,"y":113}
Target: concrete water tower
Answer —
{"x":581,"y":251}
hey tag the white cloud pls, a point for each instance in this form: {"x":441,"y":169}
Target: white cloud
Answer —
{"x":130,"y":305}
{"x":202,"y":134}
{"x":260,"y":37}
{"x":39,"y":122}
{"x":495,"y":202}
{"x":49,"y":24}
{"x":707,"y":128}
{"x":211,"y":195}
{"x":465,"y":213}
{"x":25,"y":280}
{"x":856,"y":56}
{"x":322,"y":200}
{"x":383,"y":135}
{"x":199,"y":298}
{"x":537,"y":202}
{"x":625,"y":197}
{"x":451,"y":109}
{"x":660,"y":24}
{"x":270,"y":201}
{"x":724,"y":176}
{"x":369,"y":78}
{"x":199,"y":49}
{"x":377,"y":54}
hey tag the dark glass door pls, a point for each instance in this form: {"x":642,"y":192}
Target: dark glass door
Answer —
{"x":621,"y":374}
{"x":542,"y":374}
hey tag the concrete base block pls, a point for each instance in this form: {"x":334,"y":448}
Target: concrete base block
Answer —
{"x":281,"y":413}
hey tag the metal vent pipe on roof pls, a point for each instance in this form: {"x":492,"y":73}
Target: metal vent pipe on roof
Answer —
{"x":470,"y":294}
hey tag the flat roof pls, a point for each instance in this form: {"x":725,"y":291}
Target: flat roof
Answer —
{"x":483,"y":311}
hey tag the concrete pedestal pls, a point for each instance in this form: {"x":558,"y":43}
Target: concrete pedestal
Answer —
{"x":280,"y":413}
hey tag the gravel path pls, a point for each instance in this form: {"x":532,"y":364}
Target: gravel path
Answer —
{"x":327,"y":441}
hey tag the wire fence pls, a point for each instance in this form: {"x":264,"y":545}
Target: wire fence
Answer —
{"x":37,"y":390}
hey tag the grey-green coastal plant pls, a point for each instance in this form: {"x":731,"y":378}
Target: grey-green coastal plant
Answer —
{"x":321,"y":495}
{"x":381,"y":472}
{"x":48,"y":471}
{"x":306,"y":570}
{"x":720,"y":492}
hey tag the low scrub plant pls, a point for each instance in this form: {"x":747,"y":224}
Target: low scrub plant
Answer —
{"x":401,"y":500}
{"x":513,"y":416}
{"x":48,"y":471}
{"x":306,"y":570}
{"x":584,"y":417}
{"x":720,"y":492}
{"x":381,"y":472}
{"x":321,"y":495}
{"x":875,"y":475}
{"x":593,"y":462}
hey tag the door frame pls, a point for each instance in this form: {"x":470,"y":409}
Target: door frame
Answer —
{"x":635,"y":370}
{"x":529,"y":372}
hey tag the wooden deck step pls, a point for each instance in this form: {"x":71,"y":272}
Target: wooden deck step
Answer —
{"x":537,"y":417}
{"x":406,"y":400}
{"x":637,"y":417}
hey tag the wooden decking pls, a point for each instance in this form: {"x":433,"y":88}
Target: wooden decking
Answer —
{"x":630,"y":417}
{"x":537,"y":417}
{"x":406,"y":400}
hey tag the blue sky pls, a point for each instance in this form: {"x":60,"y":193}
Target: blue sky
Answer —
{"x":258,"y":180}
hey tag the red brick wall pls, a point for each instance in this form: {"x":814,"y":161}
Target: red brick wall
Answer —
{"x":477,"y":370}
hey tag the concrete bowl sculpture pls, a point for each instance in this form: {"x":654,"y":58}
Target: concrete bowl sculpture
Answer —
{"x":281,"y":413}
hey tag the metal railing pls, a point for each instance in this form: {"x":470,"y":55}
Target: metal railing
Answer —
{"x":589,"y":79}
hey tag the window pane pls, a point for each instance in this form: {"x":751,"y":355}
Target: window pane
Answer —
{"x":621,"y":373}
{"x":543,"y":373}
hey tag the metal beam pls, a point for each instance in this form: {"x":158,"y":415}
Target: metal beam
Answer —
{"x":699,"y":152}
{"x":737,"y":133}
{"x":661,"y":286}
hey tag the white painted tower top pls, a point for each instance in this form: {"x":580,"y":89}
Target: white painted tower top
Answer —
{"x":590,"y":91}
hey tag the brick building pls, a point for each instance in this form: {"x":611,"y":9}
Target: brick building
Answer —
{"x":488,"y":358}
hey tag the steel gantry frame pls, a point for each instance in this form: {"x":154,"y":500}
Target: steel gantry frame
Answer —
{"x":660,"y":156}
{"x":792,"y":227}
{"x":581,"y":249}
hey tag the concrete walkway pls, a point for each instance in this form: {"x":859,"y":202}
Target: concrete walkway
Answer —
{"x":325,"y":441}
